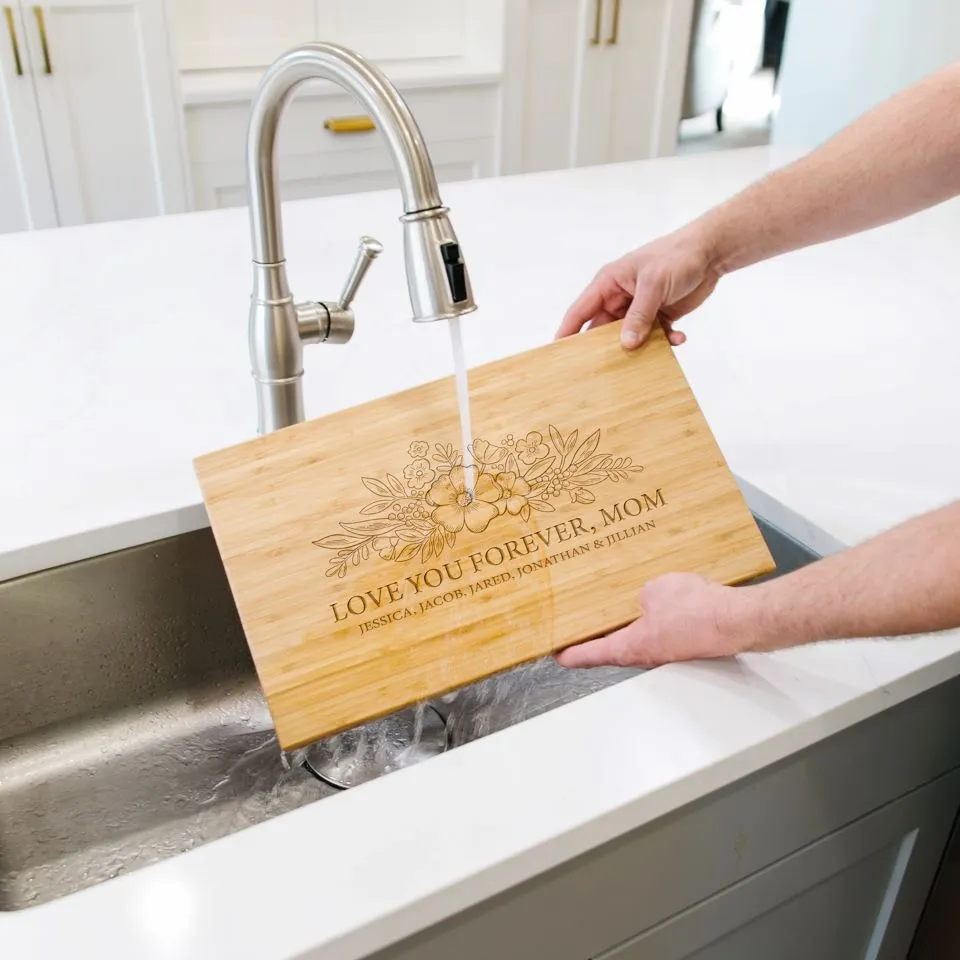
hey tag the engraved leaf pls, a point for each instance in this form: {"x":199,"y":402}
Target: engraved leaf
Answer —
{"x":336,"y":541}
{"x":375,"y":486}
{"x":408,"y":551}
{"x":511,"y":465}
{"x":595,"y":464}
{"x":451,"y":538}
{"x":587,"y":448}
{"x":426,"y":551}
{"x":589,"y":479}
{"x":370,"y":528}
{"x":408,"y":534}
{"x":585,"y":496}
{"x":571,"y":442}
{"x":541,"y":506}
{"x":377,"y":506}
{"x":525,"y":512}
{"x":539,"y":468}
{"x":556,"y":438}
{"x":396,"y":486}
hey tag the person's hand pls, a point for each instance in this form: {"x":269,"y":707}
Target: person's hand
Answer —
{"x":661,"y":282}
{"x":685,"y":617}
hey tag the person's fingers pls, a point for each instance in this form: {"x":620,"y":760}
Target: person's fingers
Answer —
{"x":583,"y":310}
{"x":612,"y":649}
{"x":675,"y":337}
{"x":642,"y":312}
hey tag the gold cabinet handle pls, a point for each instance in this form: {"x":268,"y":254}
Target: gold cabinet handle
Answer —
{"x":42,"y":27}
{"x":349,"y":124}
{"x":615,"y":26}
{"x":12,"y":30}
{"x":597,"y":22}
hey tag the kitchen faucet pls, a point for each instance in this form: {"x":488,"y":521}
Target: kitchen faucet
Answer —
{"x":437,"y":278}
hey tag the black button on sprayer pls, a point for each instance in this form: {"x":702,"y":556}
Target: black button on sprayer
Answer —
{"x":456,"y":271}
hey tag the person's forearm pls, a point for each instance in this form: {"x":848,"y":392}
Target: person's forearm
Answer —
{"x":904,"y":581}
{"x":901,"y":157}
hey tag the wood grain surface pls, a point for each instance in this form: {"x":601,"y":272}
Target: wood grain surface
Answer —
{"x":367,"y":580}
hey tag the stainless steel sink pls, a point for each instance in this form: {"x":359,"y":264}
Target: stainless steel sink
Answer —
{"x":132,"y":727}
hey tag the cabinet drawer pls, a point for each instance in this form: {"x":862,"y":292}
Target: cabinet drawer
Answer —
{"x":458,"y":124}
{"x":216,"y":132}
{"x":223,"y":184}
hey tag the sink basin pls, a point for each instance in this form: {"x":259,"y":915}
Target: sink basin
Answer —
{"x":132,"y":727}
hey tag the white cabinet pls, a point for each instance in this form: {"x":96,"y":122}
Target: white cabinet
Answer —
{"x":458,"y":125}
{"x":592,"y":81}
{"x":26,"y":201}
{"x":238,"y":34}
{"x":856,"y":893}
{"x":100,"y":125}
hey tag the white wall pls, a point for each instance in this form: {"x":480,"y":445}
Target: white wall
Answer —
{"x":844,"y":56}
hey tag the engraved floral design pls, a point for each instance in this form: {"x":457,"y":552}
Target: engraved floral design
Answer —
{"x":457,"y":508}
{"x":532,"y":448}
{"x":517,"y":477}
{"x":419,"y":473}
{"x":515,"y":492}
{"x":418,"y":449}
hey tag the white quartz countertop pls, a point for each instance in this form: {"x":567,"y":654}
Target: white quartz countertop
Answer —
{"x":829,"y":376}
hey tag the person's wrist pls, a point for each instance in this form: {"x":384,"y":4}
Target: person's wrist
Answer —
{"x":743,"y":621}
{"x":707,"y":235}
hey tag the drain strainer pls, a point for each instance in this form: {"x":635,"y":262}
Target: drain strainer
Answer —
{"x":369,"y":751}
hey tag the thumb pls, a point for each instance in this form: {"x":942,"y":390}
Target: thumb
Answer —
{"x":610,"y":650}
{"x":642,"y":312}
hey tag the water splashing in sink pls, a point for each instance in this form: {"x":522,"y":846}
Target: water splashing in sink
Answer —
{"x":463,"y":399}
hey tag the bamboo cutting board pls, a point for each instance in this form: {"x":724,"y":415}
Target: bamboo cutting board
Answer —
{"x":367,"y":580}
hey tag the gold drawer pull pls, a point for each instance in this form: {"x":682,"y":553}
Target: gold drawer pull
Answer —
{"x":42,"y":30}
{"x":615,"y":29}
{"x":597,"y":22}
{"x":18,"y":64}
{"x":349,"y":124}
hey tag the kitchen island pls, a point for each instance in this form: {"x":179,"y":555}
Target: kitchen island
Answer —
{"x":829,"y":377}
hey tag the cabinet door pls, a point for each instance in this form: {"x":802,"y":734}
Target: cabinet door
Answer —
{"x":107,"y":92}
{"x":230,"y":34}
{"x":855,"y":895}
{"x":237,"y":34}
{"x":543,"y":61}
{"x":26,"y":200}
{"x":592,"y":81}
{"x":648,"y":43}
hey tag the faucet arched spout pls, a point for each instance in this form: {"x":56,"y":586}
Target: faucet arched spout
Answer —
{"x":392,"y":117}
{"x":437,"y":278}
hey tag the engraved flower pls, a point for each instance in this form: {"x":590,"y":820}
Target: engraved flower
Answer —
{"x":418,"y":449}
{"x":485,"y":452}
{"x":515,"y":490}
{"x":419,"y":473}
{"x":456,"y":509}
{"x":386,"y":546}
{"x":531,"y":448}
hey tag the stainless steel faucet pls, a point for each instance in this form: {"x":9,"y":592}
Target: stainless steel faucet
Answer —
{"x":437,"y":277}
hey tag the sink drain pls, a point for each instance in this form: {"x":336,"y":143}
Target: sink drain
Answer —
{"x":367,"y":752}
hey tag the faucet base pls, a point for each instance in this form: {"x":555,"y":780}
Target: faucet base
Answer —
{"x":279,"y":403}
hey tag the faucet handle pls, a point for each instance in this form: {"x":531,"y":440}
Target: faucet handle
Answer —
{"x":369,"y":250}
